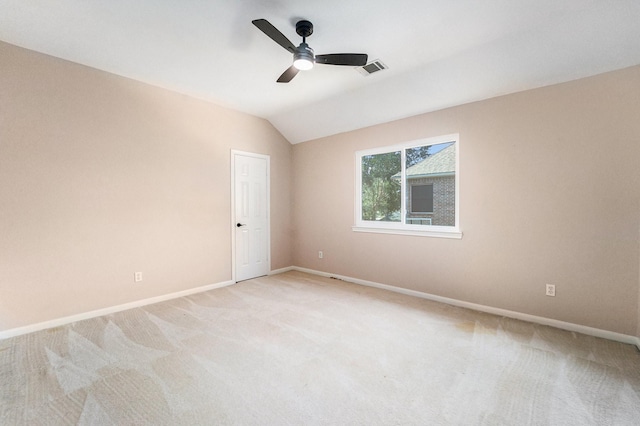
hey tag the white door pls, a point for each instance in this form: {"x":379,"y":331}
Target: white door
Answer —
{"x":251,"y":215}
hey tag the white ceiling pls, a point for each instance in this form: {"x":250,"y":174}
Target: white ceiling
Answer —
{"x":440,"y":53}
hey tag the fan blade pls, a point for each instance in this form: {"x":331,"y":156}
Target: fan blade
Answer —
{"x":273,"y":33}
{"x":352,"y":59}
{"x":288,"y":75}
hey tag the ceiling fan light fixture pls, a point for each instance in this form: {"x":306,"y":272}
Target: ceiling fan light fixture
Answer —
{"x":303,"y":58}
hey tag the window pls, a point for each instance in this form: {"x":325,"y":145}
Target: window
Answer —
{"x":410,"y":188}
{"x":421,"y":200}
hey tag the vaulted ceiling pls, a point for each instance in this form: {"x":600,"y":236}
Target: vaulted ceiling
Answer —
{"x":439,"y":53}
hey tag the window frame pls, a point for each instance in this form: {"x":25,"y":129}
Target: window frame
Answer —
{"x":401,"y":228}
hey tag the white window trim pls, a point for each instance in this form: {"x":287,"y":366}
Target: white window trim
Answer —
{"x":400,"y":228}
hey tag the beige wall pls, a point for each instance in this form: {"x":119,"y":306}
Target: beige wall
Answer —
{"x":550,"y":185}
{"x":101,"y":176}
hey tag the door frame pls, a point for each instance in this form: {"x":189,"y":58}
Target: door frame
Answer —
{"x":235,"y":152}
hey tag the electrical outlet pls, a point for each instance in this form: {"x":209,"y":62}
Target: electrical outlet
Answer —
{"x":320,"y":255}
{"x":137,"y":277}
{"x":551,"y":290}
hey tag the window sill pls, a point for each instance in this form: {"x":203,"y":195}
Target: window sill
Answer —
{"x":440,"y":233}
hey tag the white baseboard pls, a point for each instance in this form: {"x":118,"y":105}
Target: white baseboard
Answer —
{"x":281,"y":270}
{"x":106,"y":311}
{"x":610,"y":335}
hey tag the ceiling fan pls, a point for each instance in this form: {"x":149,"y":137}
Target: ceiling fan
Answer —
{"x":303,"y":56}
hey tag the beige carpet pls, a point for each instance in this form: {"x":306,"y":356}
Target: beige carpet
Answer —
{"x":296,"y":349}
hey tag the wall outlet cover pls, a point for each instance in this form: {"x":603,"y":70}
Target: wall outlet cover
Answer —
{"x":550,"y":290}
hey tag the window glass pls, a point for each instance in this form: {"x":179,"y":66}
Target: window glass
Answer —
{"x":430,"y":173}
{"x":381,"y":197}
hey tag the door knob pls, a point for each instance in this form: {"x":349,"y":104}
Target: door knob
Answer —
{"x":240,"y":224}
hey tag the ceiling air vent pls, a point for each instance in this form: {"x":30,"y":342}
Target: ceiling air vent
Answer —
{"x":372,"y":67}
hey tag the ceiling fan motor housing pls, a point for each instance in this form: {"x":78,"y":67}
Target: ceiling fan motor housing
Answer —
{"x":304,"y":58}
{"x":304,"y":52}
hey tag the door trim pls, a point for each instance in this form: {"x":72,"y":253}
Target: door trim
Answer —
{"x":232,"y":224}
